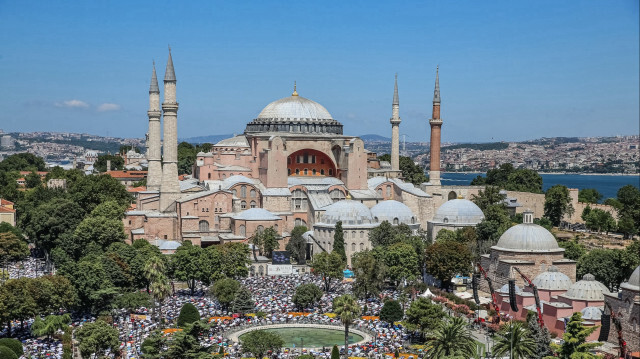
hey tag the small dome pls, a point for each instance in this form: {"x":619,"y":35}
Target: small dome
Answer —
{"x":634,"y":281}
{"x":391,"y":211}
{"x":587,"y":289}
{"x":459,"y":211}
{"x":591,"y":313}
{"x":552,"y":280}
{"x":505,"y":289}
{"x":349,"y":212}
{"x":528,"y":237}
{"x":256,"y":214}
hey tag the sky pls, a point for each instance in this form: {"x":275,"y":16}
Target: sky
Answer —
{"x":509,"y":70}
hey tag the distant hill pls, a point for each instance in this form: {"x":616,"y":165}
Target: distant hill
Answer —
{"x":375,"y":138}
{"x":213,"y":139}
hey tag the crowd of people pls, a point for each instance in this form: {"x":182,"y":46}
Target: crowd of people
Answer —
{"x":273,"y":297}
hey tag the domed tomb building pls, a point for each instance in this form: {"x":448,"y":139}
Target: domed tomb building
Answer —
{"x":531,"y":248}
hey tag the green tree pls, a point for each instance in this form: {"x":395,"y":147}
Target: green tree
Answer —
{"x":50,"y":325}
{"x":52,"y":221}
{"x":572,"y":249}
{"x":589,"y":195}
{"x":188,"y":314}
{"x":600,"y":220}
{"x":14,"y":345}
{"x":540,"y":336}
{"x":369,"y":274}
{"x":338,"y":242}
{"x":243,"y":302}
{"x":629,"y":198}
{"x":524,"y":180}
{"x":328,"y":266}
{"x":235,"y":260}
{"x":452,"y":338}
{"x":6,"y":353}
{"x":186,"y":157}
{"x":557,"y":204}
{"x":609,"y":266}
{"x":575,"y":338}
{"x":445,"y":235}
{"x":186,"y":343}
{"x":335,"y":352}
{"x":270,"y":241}
{"x":627,"y":226}
{"x":117,"y":163}
{"x":22,"y":162}
{"x":32,"y":180}
{"x":515,"y":341}
{"x":97,"y":338}
{"x":154,"y":346}
{"x":297,"y":246}
{"x":411,"y":172}
{"x":52,"y":294}
{"x":613,"y":202}
{"x":382,"y":234}
{"x":391,"y":311}
{"x":496,"y":221}
{"x":306,"y":295}
{"x":90,"y":191}
{"x":155,"y":272}
{"x":424,"y":316}
{"x":109,"y":209}
{"x":12,"y":248}
{"x":186,"y":266}
{"x":259,"y":342}
{"x":130,"y":301}
{"x":488,"y":197}
{"x":347,"y":309}
{"x":225,"y":291}
{"x":446,"y":259}
{"x":401,"y":261}
{"x":99,"y":230}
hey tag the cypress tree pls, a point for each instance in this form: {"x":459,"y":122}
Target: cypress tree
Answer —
{"x":335,"y":353}
{"x":188,"y":314}
{"x":540,"y":335}
{"x":338,"y":241}
{"x":244,"y":302}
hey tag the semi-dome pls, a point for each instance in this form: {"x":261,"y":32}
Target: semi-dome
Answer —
{"x":294,"y":114}
{"x":349,"y":212}
{"x":552,"y":279}
{"x":458,"y":212}
{"x":394,"y":212}
{"x":528,"y":237}
{"x":587,"y":289}
{"x":634,"y":281}
{"x":591,"y":313}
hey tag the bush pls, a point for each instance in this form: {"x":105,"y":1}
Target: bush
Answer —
{"x":188,"y":314}
{"x":6,"y":353}
{"x":13,"y":344}
{"x":335,"y":353}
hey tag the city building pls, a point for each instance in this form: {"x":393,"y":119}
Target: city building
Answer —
{"x":7,"y":212}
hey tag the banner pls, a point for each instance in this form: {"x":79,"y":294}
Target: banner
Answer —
{"x":284,"y":269}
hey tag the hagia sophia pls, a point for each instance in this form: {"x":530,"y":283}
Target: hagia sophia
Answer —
{"x":294,"y":166}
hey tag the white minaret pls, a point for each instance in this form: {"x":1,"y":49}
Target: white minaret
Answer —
{"x":170,"y":188}
{"x":154,"y":152}
{"x":395,"y":129}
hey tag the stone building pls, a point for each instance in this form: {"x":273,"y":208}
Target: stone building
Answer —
{"x":626,"y":304}
{"x":455,"y":214}
{"x":529,"y":247}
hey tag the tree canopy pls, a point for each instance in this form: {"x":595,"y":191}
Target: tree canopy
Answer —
{"x":411,"y":172}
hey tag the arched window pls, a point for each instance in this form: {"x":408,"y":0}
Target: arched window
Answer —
{"x":362,"y":246}
{"x":396,"y":221}
{"x":275,"y":226}
{"x":242,"y":230}
{"x":235,"y":193}
{"x":330,"y":172}
{"x":252,"y":193}
{"x":452,"y":195}
{"x":353,"y":247}
{"x":380,"y":192}
{"x":253,"y":204}
{"x":288,"y":171}
{"x":298,"y":222}
{"x":259,"y":229}
{"x":203,"y":226}
{"x":243,"y":191}
{"x":306,"y":171}
{"x":353,"y":234}
{"x":297,"y":171}
{"x":361,"y":234}
{"x":376,"y":219}
{"x":322,"y":172}
{"x":314,"y":172}
{"x":388,"y":191}
{"x":261,"y":270}
{"x":243,"y":204}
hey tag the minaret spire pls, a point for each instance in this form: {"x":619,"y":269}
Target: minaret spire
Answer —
{"x":395,"y":130}
{"x":436,"y":126}
{"x":436,"y":90}
{"x":170,"y":187}
{"x":154,"y":150}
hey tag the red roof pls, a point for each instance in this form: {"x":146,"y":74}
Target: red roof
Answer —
{"x":127,"y":174}
{"x":4,"y":202}
{"x":137,"y":189}
{"x":7,"y":210}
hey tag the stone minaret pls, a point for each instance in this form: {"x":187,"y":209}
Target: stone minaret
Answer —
{"x":170,"y":188}
{"x":154,"y":155}
{"x":436,"y":125}
{"x":395,"y":129}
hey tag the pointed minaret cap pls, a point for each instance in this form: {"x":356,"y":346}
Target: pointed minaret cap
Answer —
{"x":436,"y":91}
{"x":153,"y":88}
{"x":396,"y":101}
{"x":169,"y":73}
{"x":295,"y":92}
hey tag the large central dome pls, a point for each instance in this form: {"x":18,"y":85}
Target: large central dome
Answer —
{"x":294,"y":115}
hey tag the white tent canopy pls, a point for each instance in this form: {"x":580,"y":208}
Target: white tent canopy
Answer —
{"x":427,"y":294}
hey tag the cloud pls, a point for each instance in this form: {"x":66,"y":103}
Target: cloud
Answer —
{"x":72,"y":104}
{"x":108,"y":107}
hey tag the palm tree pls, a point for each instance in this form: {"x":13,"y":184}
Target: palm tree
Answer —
{"x":515,"y":340}
{"x":452,"y":338}
{"x":347,"y":308}
{"x":154,"y":271}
